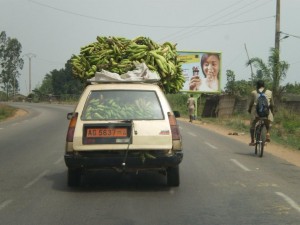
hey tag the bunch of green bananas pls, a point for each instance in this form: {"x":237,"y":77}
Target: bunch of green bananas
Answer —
{"x":113,"y":109}
{"x":118,"y":55}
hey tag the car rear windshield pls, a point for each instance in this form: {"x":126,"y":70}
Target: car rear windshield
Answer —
{"x":122,"y":105}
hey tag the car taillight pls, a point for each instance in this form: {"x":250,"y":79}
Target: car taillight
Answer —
{"x":174,"y":127}
{"x":71,"y":129}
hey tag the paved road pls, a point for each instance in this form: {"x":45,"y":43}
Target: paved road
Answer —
{"x":222,"y":182}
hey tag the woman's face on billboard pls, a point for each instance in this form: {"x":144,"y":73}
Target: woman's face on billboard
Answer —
{"x":211,"y":67}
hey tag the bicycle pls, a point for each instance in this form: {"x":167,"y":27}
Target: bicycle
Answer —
{"x":260,"y":136}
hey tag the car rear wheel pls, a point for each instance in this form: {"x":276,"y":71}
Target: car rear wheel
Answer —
{"x":74,"y":177}
{"x":173,"y":176}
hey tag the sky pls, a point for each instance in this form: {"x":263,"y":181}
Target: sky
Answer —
{"x":51,"y":31}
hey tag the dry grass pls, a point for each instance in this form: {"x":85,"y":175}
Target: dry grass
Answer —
{"x":6,"y":111}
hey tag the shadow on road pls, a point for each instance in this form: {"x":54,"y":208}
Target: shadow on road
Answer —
{"x":246,"y":154}
{"x":111,"y":181}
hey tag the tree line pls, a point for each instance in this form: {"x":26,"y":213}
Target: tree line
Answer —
{"x":10,"y":63}
{"x":264,"y":71}
{"x":60,"y":82}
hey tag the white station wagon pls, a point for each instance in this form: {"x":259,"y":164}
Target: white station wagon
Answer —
{"x":125,"y":126}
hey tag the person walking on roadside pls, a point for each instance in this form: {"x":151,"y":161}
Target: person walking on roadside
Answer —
{"x":191,"y":104}
{"x":260,"y":89}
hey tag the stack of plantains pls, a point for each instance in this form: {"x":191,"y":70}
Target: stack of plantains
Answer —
{"x":119,"y":55}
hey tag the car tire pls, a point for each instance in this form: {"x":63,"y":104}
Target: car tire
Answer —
{"x":74,"y":177}
{"x":173,"y":176}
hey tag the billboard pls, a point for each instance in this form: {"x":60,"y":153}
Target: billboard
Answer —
{"x":202,"y":71}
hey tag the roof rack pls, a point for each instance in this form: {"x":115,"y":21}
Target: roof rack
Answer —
{"x":88,"y":82}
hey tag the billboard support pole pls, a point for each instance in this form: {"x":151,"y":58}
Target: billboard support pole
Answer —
{"x":196,"y":97}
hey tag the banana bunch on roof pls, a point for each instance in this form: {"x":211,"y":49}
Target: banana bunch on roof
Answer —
{"x":119,"y":55}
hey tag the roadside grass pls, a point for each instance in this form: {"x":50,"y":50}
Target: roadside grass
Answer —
{"x":6,"y":111}
{"x":286,"y":128}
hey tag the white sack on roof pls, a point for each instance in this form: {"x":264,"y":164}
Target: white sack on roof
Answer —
{"x":141,"y":74}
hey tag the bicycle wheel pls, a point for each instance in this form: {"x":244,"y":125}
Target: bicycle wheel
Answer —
{"x":257,"y":140}
{"x":263,"y":140}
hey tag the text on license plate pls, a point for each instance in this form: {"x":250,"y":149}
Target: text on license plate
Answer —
{"x":106,"y":132}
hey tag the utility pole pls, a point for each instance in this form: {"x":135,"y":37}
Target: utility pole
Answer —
{"x":29,"y":56}
{"x":277,"y":26}
{"x":252,"y":74}
{"x":276,"y":74}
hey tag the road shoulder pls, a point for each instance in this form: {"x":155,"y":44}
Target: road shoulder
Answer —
{"x":18,"y":113}
{"x":290,"y":155}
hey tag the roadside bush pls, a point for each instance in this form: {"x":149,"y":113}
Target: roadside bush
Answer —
{"x":237,"y":123}
{"x":178,"y":103}
{"x":6,"y":111}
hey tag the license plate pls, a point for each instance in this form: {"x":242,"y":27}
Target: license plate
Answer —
{"x":106,"y":132}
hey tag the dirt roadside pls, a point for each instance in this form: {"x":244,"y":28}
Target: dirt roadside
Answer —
{"x":288,"y":154}
{"x":18,"y":113}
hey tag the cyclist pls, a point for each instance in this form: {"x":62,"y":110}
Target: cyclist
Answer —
{"x":260,"y":87}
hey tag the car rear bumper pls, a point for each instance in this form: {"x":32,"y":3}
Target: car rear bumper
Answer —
{"x":87,"y":161}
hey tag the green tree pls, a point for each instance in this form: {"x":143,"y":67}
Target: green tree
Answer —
{"x":60,"y":83}
{"x":46,"y":88}
{"x":64,"y":82}
{"x":292,"y":88}
{"x":10,"y":63}
{"x":230,"y":87}
{"x":244,"y":87}
{"x":237,"y":88}
{"x":272,"y":72}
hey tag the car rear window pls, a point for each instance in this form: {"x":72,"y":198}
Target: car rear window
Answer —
{"x":122,"y":105}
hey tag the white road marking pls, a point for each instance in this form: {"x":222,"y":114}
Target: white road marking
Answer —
{"x":210,"y":145}
{"x":5,"y":203}
{"x":289,"y":201}
{"x":59,"y":160}
{"x":240,"y":165}
{"x":36,"y":179}
{"x":192,"y":134}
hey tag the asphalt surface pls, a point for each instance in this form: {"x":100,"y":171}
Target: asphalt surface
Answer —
{"x":222,"y":181}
